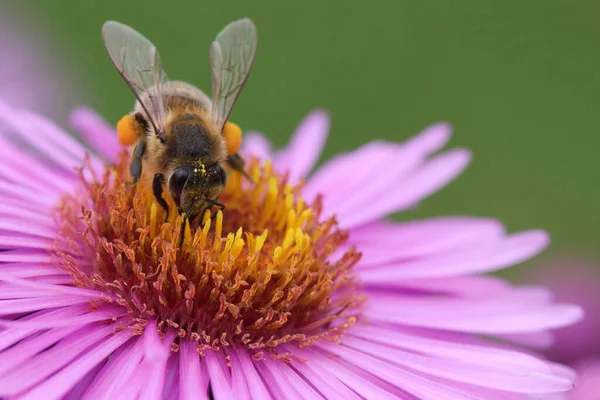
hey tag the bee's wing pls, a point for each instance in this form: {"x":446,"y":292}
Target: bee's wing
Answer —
{"x":231,"y":57}
{"x":138,"y":62}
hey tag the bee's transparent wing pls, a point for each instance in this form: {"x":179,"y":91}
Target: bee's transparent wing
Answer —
{"x":231,"y":57}
{"x":138,"y":62}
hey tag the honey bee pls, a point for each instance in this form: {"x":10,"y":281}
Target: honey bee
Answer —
{"x":182,"y":138}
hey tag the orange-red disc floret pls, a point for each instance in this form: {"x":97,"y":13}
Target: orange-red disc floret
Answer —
{"x":259,"y":275}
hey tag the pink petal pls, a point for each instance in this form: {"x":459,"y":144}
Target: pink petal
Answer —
{"x":54,"y":289}
{"x":156,"y":375}
{"x":135,"y":384}
{"x":364,"y":384}
{"x":431,"y":139}
{"x":361,"y":189}
{"x":9,"y":337}
{"x":23,"y":167}
{"x":473,"y":287}
{"x":170,"y":389}
{"x":55,"y":134}
{"x":332,"y":178}
{"x":15,"y":191}
{"x":241,"y":364}
{"x":26,"y":216}
{"x":283,"y":372}
{"x":114,"y":376}
{"x":454,"y":347}
{"x":437,"y":305}
{"x":15,"y":174}
{"x":108,"y":313}
{"x":29,"y":129}
{"x":8,"y":307}
{"x":154,"y":346}
{"x":517,"y":313}
{"x":13,"y":225}
{"x":193,"y":376}
{"x":322,"y":379}
{"x":15,"y":292}
{"x":386,"y":241}
{"x":64,"y":354}
{"x":14,"y":200}
{"x":62,"y":381}
{"x":514,"y":249}
{"x":49,"y":279}
{"x":515,"y":379}
{"x":77,"y":391}
{"x":26,"y":256}
{"x":7,"y":241}
{"x":305,"y":146}
{"x":24,"y":270}
{"x":98,"y":134}
{"x":220,"y":378}
{"x":538,"y":340}
{"x":256,"y":145}
{"x":401,"y":195}
{"x":156,"y":355}
{"x":414,"y":383}
{"x":239,"y":385}
{"x":563,"y":370}
{"x":484,"y":393}
{"x":277,"y":382}
{"x":30,"y":346}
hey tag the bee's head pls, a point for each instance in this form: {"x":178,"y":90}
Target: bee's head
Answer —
{"x":193,"y":187}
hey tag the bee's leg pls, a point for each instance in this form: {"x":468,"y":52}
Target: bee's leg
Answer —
{"x":157,"y":189}
{"x":236,"y":162}
{"x":135,"y":166}
{"x":218,"y":204}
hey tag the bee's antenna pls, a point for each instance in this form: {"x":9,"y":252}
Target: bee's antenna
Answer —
{"x":236,"y":162}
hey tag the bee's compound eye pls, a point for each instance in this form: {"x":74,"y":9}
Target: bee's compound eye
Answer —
{"x":177,"y":182}
{"x":216,"y":174}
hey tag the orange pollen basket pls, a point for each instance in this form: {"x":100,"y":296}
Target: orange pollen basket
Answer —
{"x":261,"y":274}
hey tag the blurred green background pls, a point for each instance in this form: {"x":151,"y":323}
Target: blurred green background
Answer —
{"x":519,"y":82}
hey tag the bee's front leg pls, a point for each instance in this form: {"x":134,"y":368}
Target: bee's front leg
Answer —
{"x":157,"y":189}
{"x":218,"y":204}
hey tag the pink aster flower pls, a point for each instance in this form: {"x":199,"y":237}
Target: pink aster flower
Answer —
{"x":297,"y":290}
{"x":576,"y":280}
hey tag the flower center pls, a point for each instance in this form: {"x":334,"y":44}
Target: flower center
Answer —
{"x":260,"y":274}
